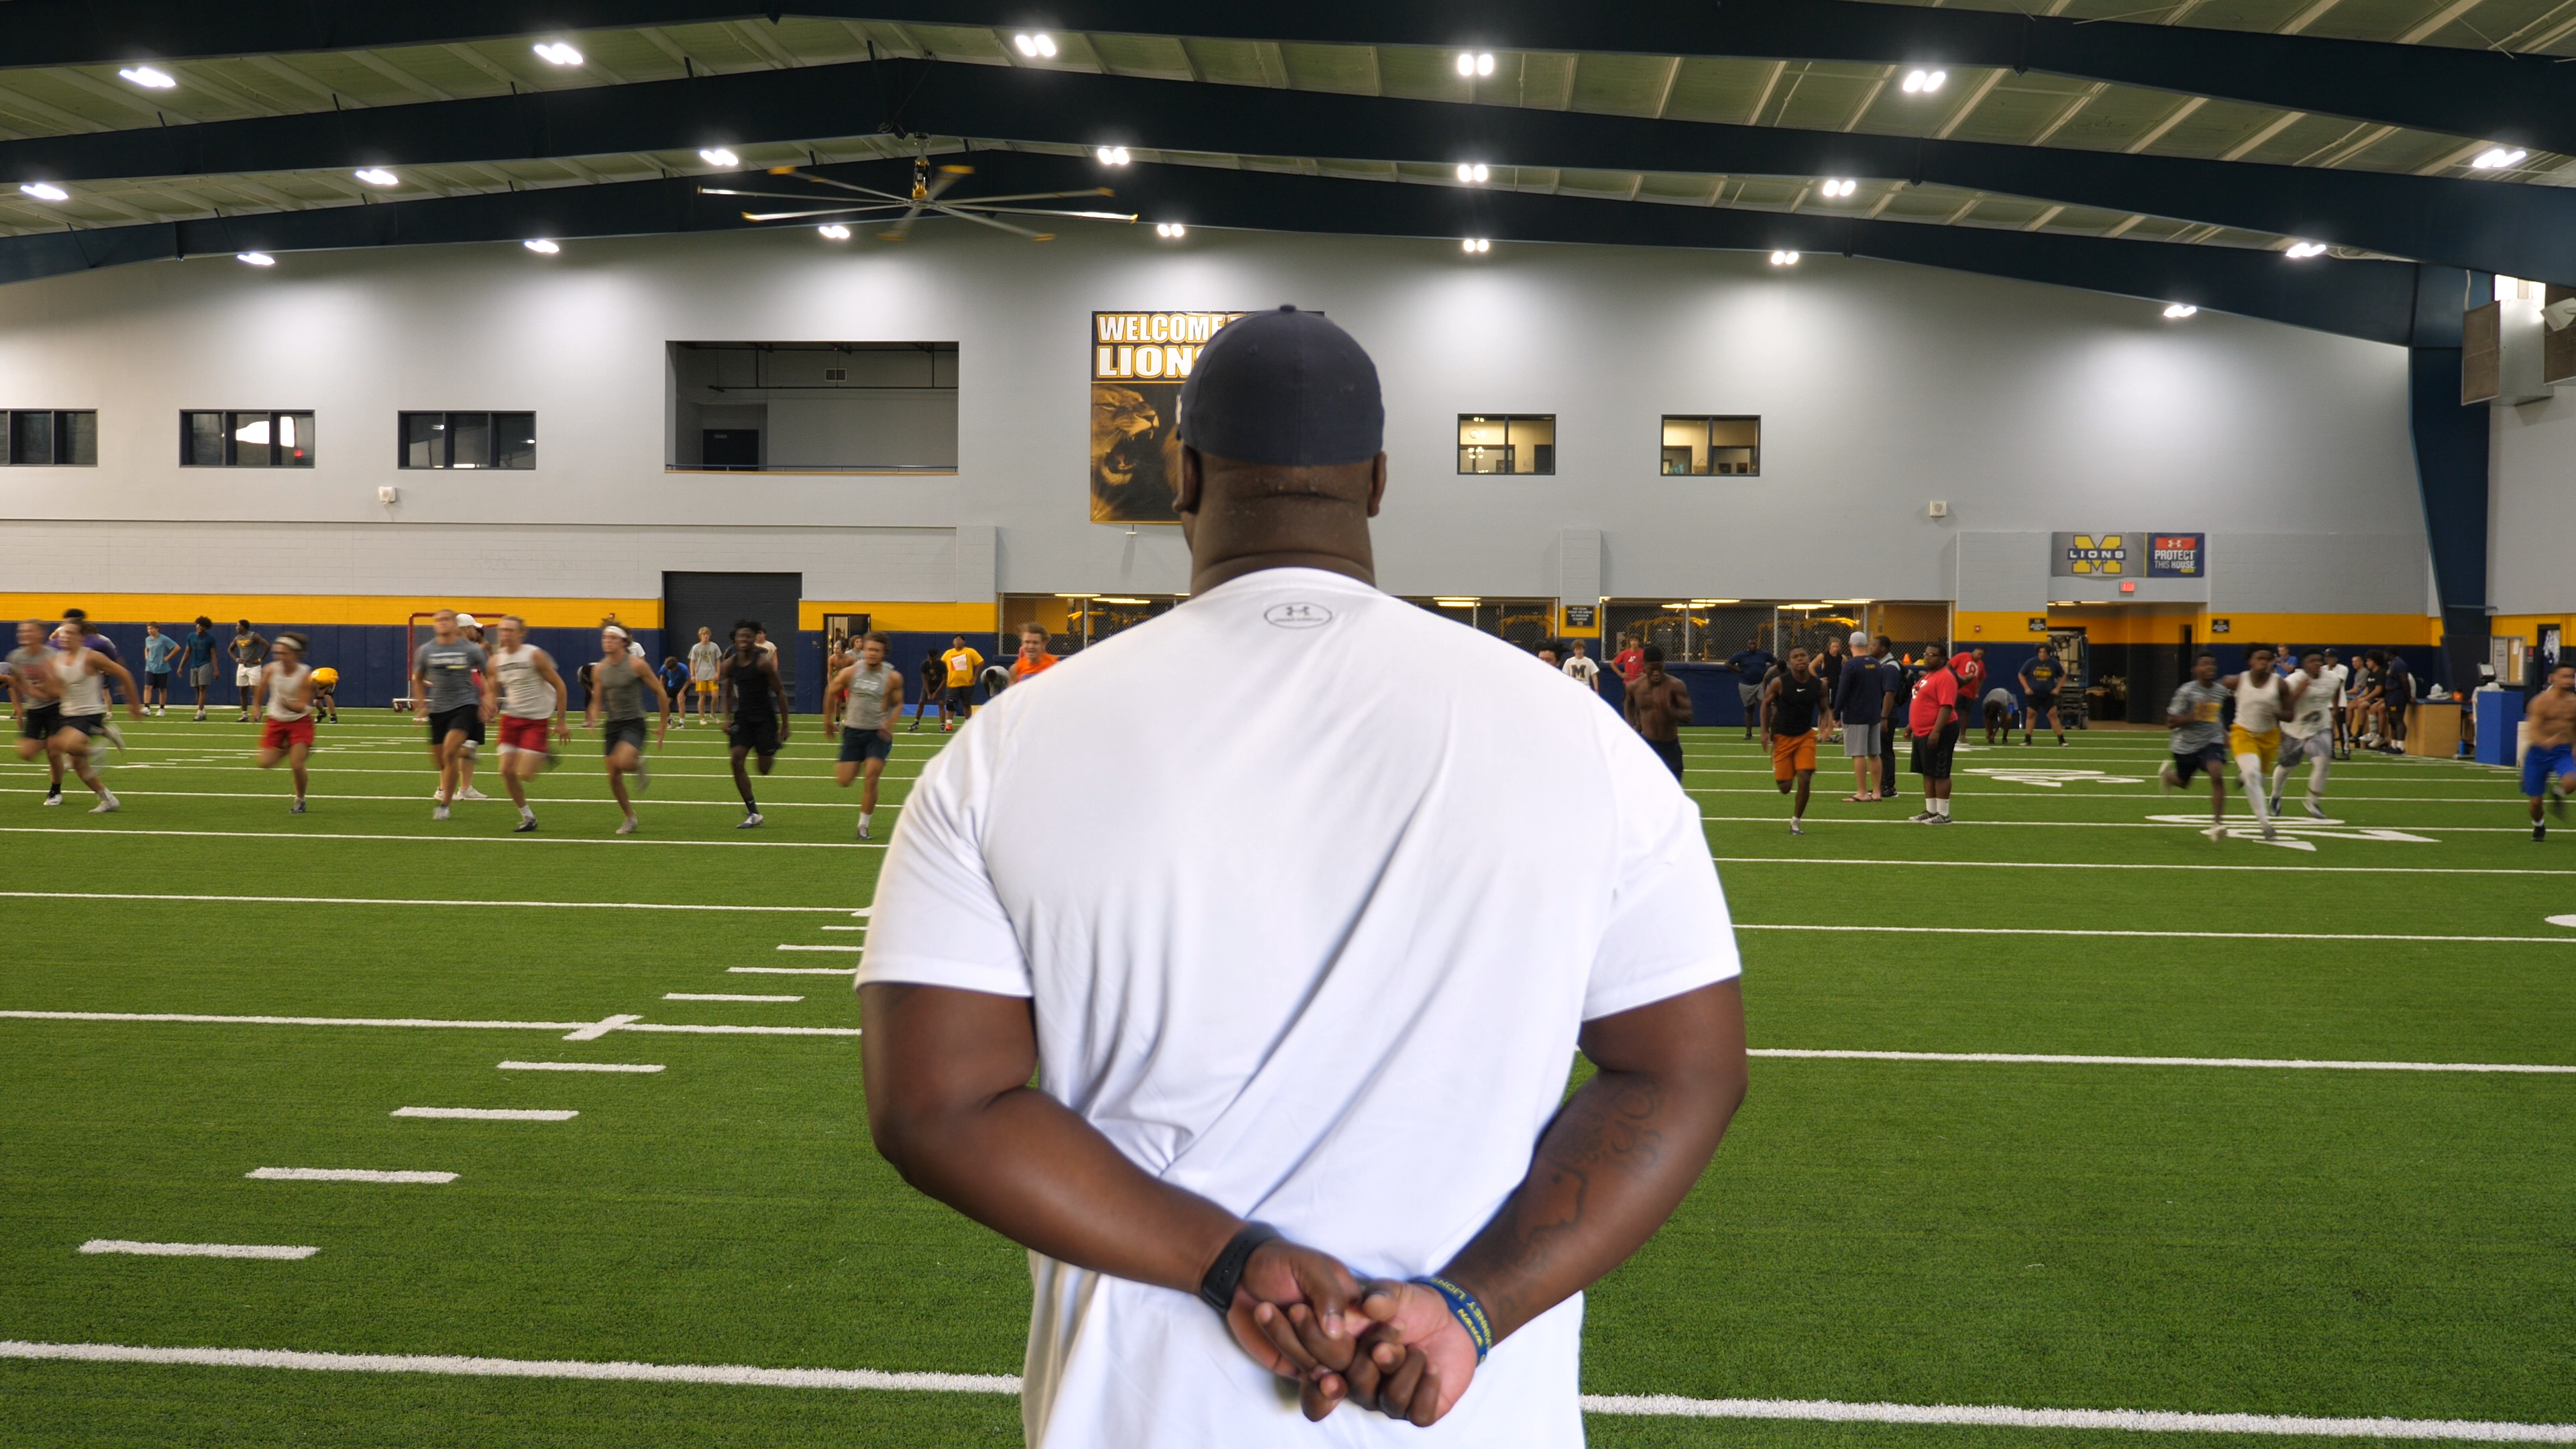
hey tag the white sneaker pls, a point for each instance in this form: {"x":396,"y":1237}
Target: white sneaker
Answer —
{"x":2316,"y":811}
{"x":56,"y":798}
{"x":749,"y":821}
{"x":297,"y":808}
{"x":2216,"y":832}
{"x":107,"y":806}
{"x":1796,"y":829}
{"x":863,"y":830}
{"x":626,"y":826}
{"x":115,"y":736}
{"x":470,"y":793}
{"x":440,"y":813}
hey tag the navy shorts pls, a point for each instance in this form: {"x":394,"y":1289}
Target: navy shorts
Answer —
{"x":2211,"y":758}
{"x":39,"y":721}
{"x":1670,"y":752}
{"x":621,"y":732}
{"x":465,"y":719}
{"x":156,"y":679}
{"x":2040,"y":704}
{"x":858,"y":745}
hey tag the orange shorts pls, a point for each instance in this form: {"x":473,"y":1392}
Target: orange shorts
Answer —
{"x":1792,"y":753}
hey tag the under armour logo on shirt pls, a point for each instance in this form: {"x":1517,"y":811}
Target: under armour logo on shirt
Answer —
{"x":1298,"y":616}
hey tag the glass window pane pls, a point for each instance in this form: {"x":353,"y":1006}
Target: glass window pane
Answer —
{"x":249,"y":438}
{"x":424,"y":440}
{"x":1484,"y":445}
{"x":31,"y":437}
{"x":201,"y":442}
{"x":295,"y":440}
{"x":76,"y":439}
{"x":1534,"y":444}
{"x":469,"y":440}
{"x":514,"y":440}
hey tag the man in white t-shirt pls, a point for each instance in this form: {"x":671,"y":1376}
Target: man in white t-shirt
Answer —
{"x":1581,"y":670}
{"x":1322,"y":977}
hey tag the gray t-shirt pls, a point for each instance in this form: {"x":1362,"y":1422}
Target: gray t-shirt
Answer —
{"x":449,"y":668}
{"x":866,"y":709}
{"x":621,"y":688}
{"x":30,"y":670}
{"x":2207,"y":705}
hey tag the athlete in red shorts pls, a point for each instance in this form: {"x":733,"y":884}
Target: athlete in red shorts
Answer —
{"x":523,"y":689}
{"x":286,"y":727}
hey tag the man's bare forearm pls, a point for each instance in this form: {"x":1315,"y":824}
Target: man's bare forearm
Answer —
{"x":1619,"y":1157}
{"x":949,"y":1104}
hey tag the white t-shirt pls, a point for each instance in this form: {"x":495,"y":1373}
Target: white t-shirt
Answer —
{"x":2313,"y":714}
{"x":1582,"y":669}
{"x":524,"y":692}
{"x":1320,"y":968}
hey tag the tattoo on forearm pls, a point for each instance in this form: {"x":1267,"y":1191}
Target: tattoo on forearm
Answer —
{"x":1603,"y":1140}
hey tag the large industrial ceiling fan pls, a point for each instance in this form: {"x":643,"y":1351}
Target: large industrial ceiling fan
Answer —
{"x":929,"y":198}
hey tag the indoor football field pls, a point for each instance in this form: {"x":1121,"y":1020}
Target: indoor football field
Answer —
{"x":2071,"y":1125}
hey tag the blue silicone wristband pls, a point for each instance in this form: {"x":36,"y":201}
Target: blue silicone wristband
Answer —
{"x":1469,"y":1313}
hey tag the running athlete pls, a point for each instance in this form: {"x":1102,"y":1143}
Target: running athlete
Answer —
{"x":523,"y":688}
{"x":160,"y":655}
{"x":1033,"y":659}
{"x":2254,"y":740}
{"x":932,"y":675}
{"x":1793,"y":701}
{"x":619,"y":682}
{"x":2307,"y":733}
{"x":81,"y":674}
{"x":250,"y":656}
{"x":1657,"y":706}
{"x":40,"y":698}
{"x":286,"y":732}
{"x":751,"y":701}
{"x":201,"y":647}
{"x":76,"y":626}
{"x":447,"y":692}
{"x":2549,"y":761}
{"x":873,"y":691}
{"x":705,"y":658}
{"x":962,"y":662}
{"x":1579,"y":669}
{"x":2340,"y":674}
{"x":2197,"y":738}
{"x":2040,"y":679}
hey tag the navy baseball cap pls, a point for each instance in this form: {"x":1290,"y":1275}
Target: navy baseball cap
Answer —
{"x":1287,"y":389}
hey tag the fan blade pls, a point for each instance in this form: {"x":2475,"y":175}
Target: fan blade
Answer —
{"x":848,"y":211}
{"x":903,"y":225}
{"x":948,"y":177}
{"x":788,"y":195}
{"x":828,"y":181}
{"x":981,"y":220}
{"x":1035,"y":196}
{"x":1126,"y":216}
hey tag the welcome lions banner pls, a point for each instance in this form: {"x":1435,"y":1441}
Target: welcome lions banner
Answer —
{"x":1138,"y":362}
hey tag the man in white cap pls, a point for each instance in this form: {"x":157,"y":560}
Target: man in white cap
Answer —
{"x":1270,"y":970}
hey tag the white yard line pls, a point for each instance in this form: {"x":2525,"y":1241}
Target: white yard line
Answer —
{"x":2274,"y":1063}
{"x":1824,"y":1410}
{"x":346,"y":1174}
{"x":852,"y":950}
{"x":808,"y":970}
{"x":2151,"y":935}
{"x":721,"y":996}
{"x":392,"y":901}
{"x":581,"y":1066}
{"x":2116,"y":865}
{"x":539,"y":837}
{"x":580,"y":1030}
{"x":194,"y":1250}
{"x":489,"y":1114}
{"x":2286,"y":822}
{"x":648,"y":801}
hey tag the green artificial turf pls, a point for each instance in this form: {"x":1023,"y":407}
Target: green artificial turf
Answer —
{"x":2036,"y":1235}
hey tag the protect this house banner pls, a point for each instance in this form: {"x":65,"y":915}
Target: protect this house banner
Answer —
{"x":1138,"y":362}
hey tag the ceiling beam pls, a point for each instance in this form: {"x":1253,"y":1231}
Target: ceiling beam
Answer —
{"x":2524,"y":99}
{"x":2517,"y":230}
{"x":2371,"y":300}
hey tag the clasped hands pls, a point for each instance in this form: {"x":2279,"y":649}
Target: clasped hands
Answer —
{"x":1389,"y":1346}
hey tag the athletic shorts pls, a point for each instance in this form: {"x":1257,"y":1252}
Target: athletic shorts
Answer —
{"x":621,"y":732}
{"x":2039,"y":704}
{"x":277,"y":734}
{"x":1750,"y":694}
{"x":92,"y":725}
{"x":961,"y":696}
{"x":705,"y":686}
{"x":2540,"y":762}
{"x":1860,"y":741}
{"x":858,"y":745}
{"x":39,"y":721}
{"x":1792,"y":753}
{"x":2263,"y":745}
{"x":757,"y":735}
{"x":1670,"y":752}
{"x":246,"y":675}
{"x":2318,"y":746}
{"x":1932,"y":754}
{"x":465,"y":719}
{"x":202,"y":675}
{"x":523,"y":734}
{"x":2209,"y":757}
{"x":156,"y":679}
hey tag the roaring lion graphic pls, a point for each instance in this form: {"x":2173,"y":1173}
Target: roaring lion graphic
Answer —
{"x":1135,"y":452}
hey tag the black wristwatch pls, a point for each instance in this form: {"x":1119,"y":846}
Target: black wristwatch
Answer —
{"x":1217,"y":1288}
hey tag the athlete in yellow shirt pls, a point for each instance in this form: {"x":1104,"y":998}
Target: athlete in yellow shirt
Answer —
{"x":962,"y":662}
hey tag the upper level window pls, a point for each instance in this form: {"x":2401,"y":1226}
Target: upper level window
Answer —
{"x":469,"y":440}
{"x":246,"y":440}
{"x":1697,"y":446}
{"x":1500,"y":443}
{"x":53,"y":437}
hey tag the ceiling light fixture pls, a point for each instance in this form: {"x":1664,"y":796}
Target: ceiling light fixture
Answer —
{"x":44,"y":191}
{"x":2301,"y":251}
{"x":1925,"y":82}
{"x":256,"y":259}
{"x":834,"y":231}
{"x":1110,"y":155}
{"x":148,"y":78}
{"x":1840,"y":186}
{"x":2495,"y":158}
{"x":1034,"y":44}
{"x":541,"y":246}
{"x":1784,"y":259}
{"x":1475,"y":62}
{"x":555,"y":52}
{"x":378,"y":176}
{"x":1473,"y":171}
{"x":1170,"y":230}
{"x":1475,"y":245}
{"x":2179,"y":310}
{"x":718,"y":156}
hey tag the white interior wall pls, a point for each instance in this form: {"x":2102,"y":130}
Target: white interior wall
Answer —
{"x":1881,"y":386}
{"x":2531,"y":510}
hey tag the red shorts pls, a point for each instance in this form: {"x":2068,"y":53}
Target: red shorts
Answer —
{"x":277,"y":734}
{"x":523,"y":734}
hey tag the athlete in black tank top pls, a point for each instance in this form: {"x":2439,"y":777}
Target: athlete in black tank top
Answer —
{"x":750,"y":680}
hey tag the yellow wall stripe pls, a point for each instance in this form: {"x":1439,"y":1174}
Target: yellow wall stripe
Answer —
{"x":2154,"y":624}
{"x":172,"y":610}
